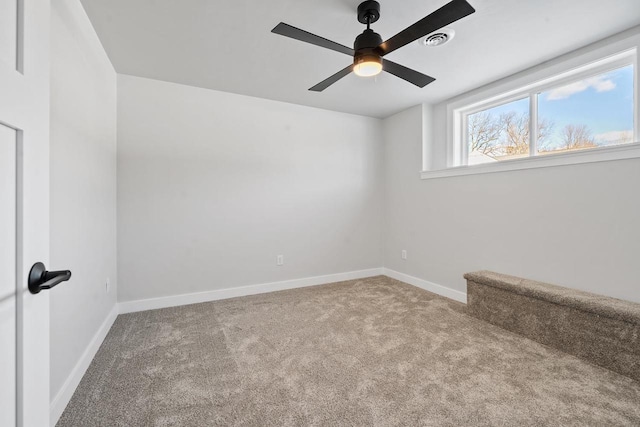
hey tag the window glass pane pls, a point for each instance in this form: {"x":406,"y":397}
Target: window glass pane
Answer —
{"x":499,"y":133}
{"x":593,"y":112}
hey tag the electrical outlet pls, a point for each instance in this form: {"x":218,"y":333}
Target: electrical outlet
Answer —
{"x":404,"y":254}
{"x":280,"y":260}
{"x":107,"y":285}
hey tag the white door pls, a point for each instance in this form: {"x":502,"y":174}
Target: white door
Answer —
{"x":24,"y":210}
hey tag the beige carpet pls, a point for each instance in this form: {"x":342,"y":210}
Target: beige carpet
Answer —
{"x":365,"y":352}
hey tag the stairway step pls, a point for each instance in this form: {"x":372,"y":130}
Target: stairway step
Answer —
{"x":602,"y":330}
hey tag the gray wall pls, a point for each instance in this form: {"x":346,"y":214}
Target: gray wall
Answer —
{"x":83,"y":186}
{"x":213,"y":186}
{"x":575,"y":226}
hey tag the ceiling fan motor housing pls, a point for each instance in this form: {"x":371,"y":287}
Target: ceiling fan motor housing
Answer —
{"x":366,"y":47}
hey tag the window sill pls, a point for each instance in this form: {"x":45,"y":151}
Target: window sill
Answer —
{"x":621,"y":152}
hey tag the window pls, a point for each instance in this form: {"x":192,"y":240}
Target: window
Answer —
{"x":588,"y":107}
{"x":499,"y":133}
{"x":591,"y":112}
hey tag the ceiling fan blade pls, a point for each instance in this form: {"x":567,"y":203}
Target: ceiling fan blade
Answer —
{"x":305,"y":36}
{"x":412,"y":76}
{"x":450,"y":12}
{"x":331,"y":80}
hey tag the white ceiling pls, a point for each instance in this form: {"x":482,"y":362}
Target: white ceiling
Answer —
{"x":228,"y":46}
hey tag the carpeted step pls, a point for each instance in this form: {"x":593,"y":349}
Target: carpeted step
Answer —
{"x":602,"y":330}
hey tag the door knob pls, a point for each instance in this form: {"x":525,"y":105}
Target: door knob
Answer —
{"x":40,"y":278}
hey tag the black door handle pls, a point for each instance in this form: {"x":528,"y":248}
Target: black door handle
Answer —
{"x":40,"y":278}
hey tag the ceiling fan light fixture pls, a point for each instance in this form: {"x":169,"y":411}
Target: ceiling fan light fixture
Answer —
{"x":367,"y":61}
{"x":367,"y":65}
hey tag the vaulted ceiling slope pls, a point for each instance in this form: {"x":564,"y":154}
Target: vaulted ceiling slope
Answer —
{"x":228,"y":45}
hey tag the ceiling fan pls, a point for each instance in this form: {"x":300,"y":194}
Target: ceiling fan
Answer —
{"x":369,"y":49}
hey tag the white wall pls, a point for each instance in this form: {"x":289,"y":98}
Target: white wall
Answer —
{"x":575,"y":226}
{"x":83,"y":188}
{"x":213,"y":186}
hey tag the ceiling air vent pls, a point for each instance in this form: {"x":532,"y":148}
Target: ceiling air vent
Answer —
{"x":439,"y":38}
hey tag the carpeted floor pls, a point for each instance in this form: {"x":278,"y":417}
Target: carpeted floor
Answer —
{"x":365,"y":352}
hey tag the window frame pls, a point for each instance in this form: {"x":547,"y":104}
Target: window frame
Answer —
{"x":601,"y":57}
{"x":530,"y":92}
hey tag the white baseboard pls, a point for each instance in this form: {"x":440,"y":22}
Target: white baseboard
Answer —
{"x":194,"y":298}
{"x":63,"y":397}
{"x":426,"y":285}
{"x":219,"y":294}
